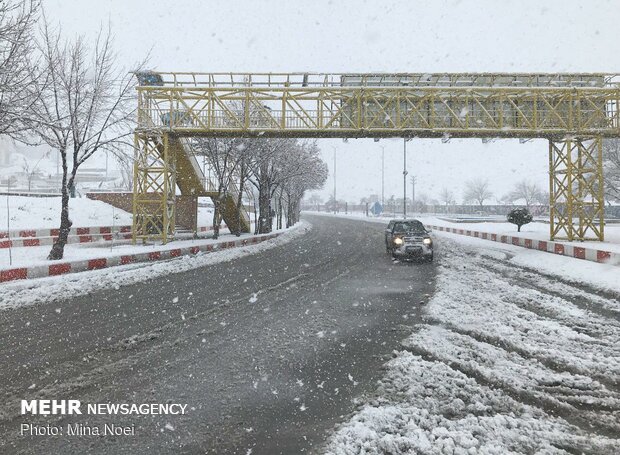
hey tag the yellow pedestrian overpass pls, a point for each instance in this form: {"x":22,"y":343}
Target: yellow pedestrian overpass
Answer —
{"x":574,"y":112}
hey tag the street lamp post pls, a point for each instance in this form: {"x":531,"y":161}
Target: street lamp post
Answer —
{"x":382,"y":176}
{"x":335,"y":203}
{"x":413,"y":182}
{"x":405,"y":177}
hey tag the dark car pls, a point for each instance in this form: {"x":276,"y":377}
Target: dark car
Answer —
{"x":408,"y":239}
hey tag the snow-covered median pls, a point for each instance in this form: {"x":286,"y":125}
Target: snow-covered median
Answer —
{"x":26,"y":292}
{"x":506,"y":361}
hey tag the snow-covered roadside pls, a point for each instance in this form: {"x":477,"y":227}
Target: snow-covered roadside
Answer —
{"x":44,"y":213}
{"x":26,"y":292}
{"x":602,"y":276}
{"x":505,"y":361}
{"x":26,"y":212}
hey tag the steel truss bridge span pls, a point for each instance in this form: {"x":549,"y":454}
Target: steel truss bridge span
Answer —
{"x":574,"y":112}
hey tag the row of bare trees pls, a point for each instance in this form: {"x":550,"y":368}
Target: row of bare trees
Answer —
{"x":71,"y":94}
{"x":525,"y":192}
{"x":476,"y":191}
{"x":278,"y":171}
{"x":611,"y":169}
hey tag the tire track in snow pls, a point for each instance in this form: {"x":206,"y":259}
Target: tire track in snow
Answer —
{"x":604,"y":303}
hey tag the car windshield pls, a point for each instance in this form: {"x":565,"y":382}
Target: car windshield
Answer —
{"x":409,"y":226}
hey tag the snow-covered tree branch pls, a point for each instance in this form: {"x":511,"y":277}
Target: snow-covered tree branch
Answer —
{"x":83,"y":105}
{"x":17,"y":19}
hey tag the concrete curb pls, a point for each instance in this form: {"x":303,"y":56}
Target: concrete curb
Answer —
{"x":61,"y":268}
{"x":577,"y":252}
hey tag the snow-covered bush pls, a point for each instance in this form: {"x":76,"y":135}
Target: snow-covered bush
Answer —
{"x":520,"y":217}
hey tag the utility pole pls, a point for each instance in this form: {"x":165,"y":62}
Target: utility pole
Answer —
{"x":8,"y":219}
{"x":58,"y":170}
{"x":413,"y":182}
{"x":382,"y":176}
{"x":335,"y":203}
{"x":405,"y":177}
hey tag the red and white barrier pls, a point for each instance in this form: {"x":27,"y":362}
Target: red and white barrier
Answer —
{"x":41,"y":241}
{"x":586,"y":253}
{"x":76,"y":231}
{"x":41,"y":237}
{"x":61,"y":268}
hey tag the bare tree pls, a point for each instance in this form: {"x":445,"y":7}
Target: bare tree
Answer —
{"x":124,"y":160}
{"x":31,"y":171}
{"x":508,"y":198}
{"x":611,"y":169}
{"x":529,"y":191}
{"x":543,"y":198}
{"x":266,"y":174}
{"x":421,"y":202}
{"x":280,"y":170}
{"x":84,"y":105}
{"x":17,"y":18}
{"x":243,"y":177}
{"x":224,"y":157}
{"x":477,"y":190}
{"x":315,"y":199}
{"x":446,"y":197}
{"x":303,"y":170}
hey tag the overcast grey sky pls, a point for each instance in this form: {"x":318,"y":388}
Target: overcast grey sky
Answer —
{"x":367,"y":36}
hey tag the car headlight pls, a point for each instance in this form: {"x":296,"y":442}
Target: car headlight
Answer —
{"x":398,"y":241}
{"x":427,"y":241}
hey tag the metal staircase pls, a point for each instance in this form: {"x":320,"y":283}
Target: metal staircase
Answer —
{"x":191,"y":180}
{"x":173,"y":164}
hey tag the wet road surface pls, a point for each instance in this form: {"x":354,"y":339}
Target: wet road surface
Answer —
{"x":268,"y":351}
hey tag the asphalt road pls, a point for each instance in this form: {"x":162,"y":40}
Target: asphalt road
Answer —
{"x":268,"y":351}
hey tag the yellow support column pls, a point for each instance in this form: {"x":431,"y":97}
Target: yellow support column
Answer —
{"x":154,"y":189}
{"x":576,"y":203}
{"x":169,"y":196}
{"x":136,"y":225}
